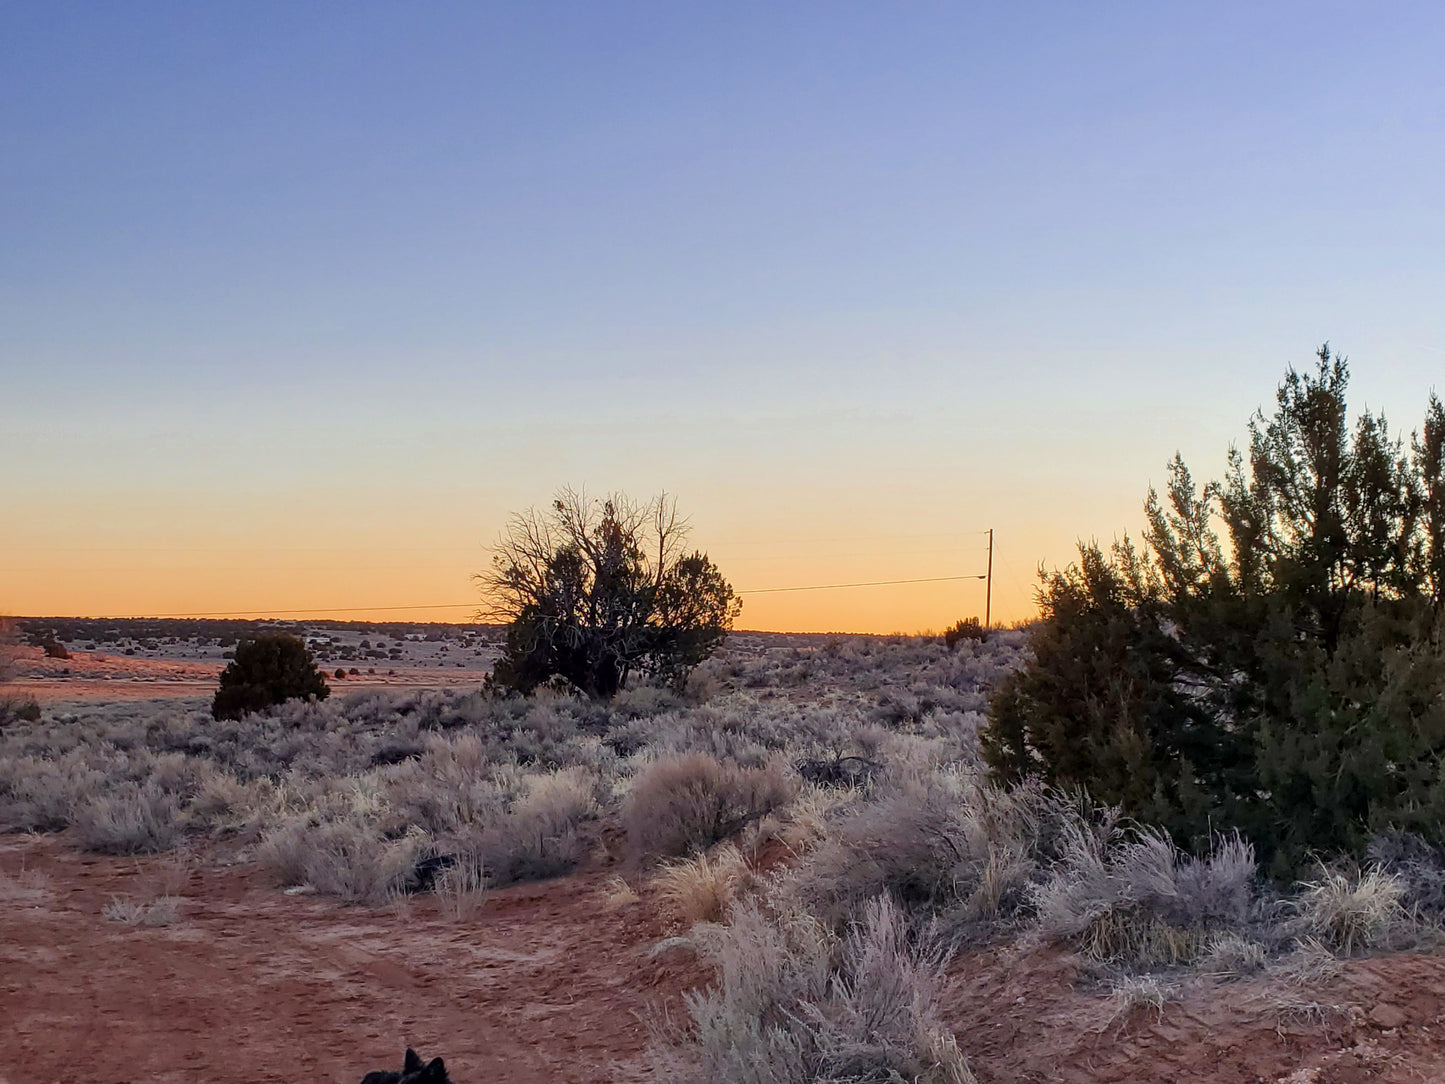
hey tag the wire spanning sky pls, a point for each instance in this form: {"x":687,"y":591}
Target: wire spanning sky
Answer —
{"x":299,"y":301}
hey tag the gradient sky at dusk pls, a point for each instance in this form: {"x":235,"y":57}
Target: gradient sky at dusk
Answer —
{"x":298,"y":301}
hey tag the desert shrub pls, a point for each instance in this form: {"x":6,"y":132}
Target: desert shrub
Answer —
{"x":16,"y":709}
{"x":796,"y":1004}
{"x":151,"y":913}
{"x":1288,"y":683}
{"x":348,"y":859}
{"x":969,"y":628}
{"x":689,"y":802}
{"x":941,"y":841}
{"x":267,"y":670}
{"x":43,"y":794}
{"x":1133,"y":898}
{"x":539,"y":836}
{"x":594,"y":593}
{"x":1417,"y":865}
{"x":131,"y":819}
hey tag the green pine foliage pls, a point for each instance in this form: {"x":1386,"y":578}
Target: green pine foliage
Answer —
{"x":1288,"y":680}
{"x":267,"y":670}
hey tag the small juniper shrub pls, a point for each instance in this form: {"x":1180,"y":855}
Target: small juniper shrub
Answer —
{"x":267,"y":670}
{"x":969,"y":628}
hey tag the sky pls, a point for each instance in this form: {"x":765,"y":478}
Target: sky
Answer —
{"x":299,"y":302}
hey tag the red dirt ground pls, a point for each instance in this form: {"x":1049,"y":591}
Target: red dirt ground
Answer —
{"x":97,"y":676}
{"x":547,"y":984}
{"x":544,"y":984}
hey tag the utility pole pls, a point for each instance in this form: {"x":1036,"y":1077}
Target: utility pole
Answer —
{"x":988,"y":589}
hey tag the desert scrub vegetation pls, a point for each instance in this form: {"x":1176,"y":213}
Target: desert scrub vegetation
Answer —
{"x":345,"y":793}
{"x":797,"y":1002}
{"x":688,"y":802}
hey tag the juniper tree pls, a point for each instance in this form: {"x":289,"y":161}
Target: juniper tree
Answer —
{"x":596,"y":592}
{"x":1288,"y":679}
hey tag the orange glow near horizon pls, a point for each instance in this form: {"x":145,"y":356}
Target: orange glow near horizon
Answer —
{"x":397,"y":584}
{"x":412,"y":557}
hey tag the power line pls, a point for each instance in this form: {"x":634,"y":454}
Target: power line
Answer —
{"x":871,"y":583}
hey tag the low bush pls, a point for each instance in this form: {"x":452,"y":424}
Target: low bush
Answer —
{"x":267,"y":670}
{"x":686,"y":803}
{"x":133,"y":819}
{"x":796,"y":1004}
{"x":349,"y":859}
{"x":1134,"y":898}
{"x":539,"y":836}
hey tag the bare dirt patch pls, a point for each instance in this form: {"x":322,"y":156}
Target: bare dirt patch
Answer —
{"x":1021,"y":1018}
{"x":97,"y":676}
{"x":544,"y":984}
{"x":547,"y":983}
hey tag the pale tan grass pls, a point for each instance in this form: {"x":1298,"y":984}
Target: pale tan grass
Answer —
{"x":461,"y":888}
{"x":617,"y":893}
{"x":1347,"y":912}
{"x":157,"y":912}
{"x":701,"y":889}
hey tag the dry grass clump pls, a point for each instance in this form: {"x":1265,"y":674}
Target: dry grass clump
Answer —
{"x":1131,"y":994}
{"x":686,"y":803}
{"x":153,"y":913}
{"x":135,"y":819}
{"x":618,"y":894}
{"x":797,"y":1003}
{"x":1354,"y":912}
{"x":701,"y":889}
{"x":461,"y":888}
{"x":1310,"y":964}
{"x":1230,"y":955}
{"x":347,"y":859}
{"x":1135,"y":899}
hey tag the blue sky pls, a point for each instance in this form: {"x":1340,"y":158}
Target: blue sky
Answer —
{"x":354,"y":281}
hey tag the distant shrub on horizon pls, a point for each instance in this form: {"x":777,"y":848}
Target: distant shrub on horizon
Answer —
{"x":266,"y":671}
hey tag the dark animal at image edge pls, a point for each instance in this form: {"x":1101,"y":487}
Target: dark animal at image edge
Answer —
{"x":412,"y":1072}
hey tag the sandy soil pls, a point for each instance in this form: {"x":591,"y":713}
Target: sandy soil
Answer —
{"x":547,"y":984}
{"x":250,"y":984}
